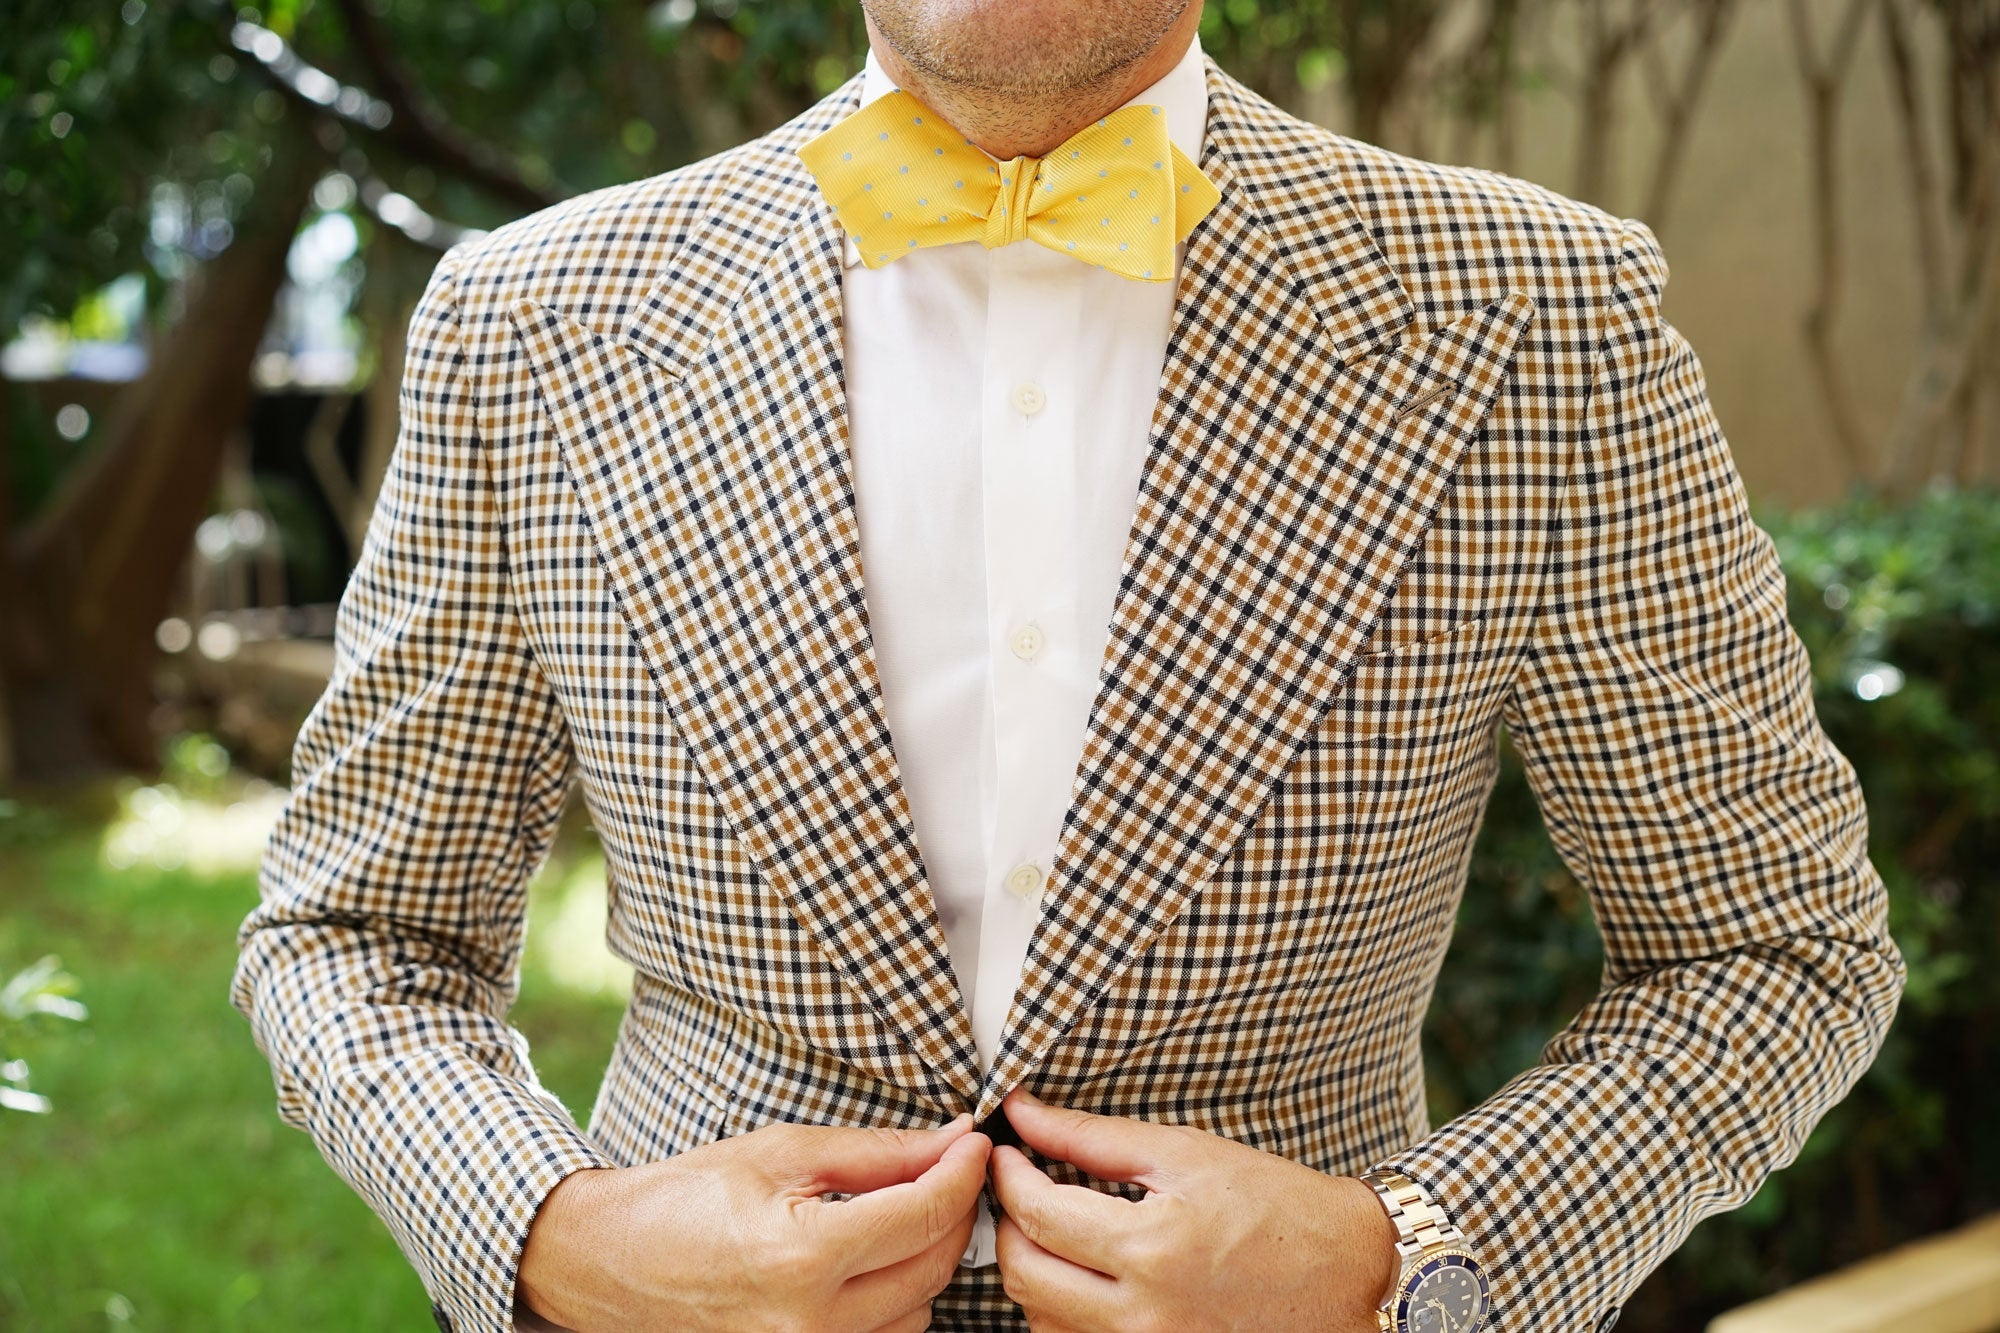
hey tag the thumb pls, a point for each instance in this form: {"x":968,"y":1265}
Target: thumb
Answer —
{"x":854,"y":1160}
{"x":1110,"y":1147}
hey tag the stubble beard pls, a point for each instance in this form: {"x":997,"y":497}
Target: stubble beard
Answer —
{"x":1004,"y":62}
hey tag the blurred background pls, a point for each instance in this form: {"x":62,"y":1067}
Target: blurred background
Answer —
{"x":215,"y":222}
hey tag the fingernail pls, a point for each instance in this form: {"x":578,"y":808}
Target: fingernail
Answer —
{"x":1027,"y":1096}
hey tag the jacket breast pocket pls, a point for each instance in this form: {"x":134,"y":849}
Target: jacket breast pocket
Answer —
{"x":1402,"y":687}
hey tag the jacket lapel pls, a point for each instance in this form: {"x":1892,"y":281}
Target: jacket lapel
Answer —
{"x":1293,"y":465}
{"x":1292,"y":469}
{"x":707,"y":442}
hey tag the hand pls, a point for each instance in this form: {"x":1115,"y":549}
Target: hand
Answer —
{"x":734,"y":1235}
{"x":1228,"y":1237}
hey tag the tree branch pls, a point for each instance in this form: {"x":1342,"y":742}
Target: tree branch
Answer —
{"x":1678,"y":100}
{"x":1917,"y":154}
{"x":424,"y":131}
{"x":333,"y":106}
{"x":1824,"y":81}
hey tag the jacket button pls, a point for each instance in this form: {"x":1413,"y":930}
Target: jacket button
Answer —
{"x":442,"y":1319}
{"x":998,"y":1128}
{"x":1610,"y":1318}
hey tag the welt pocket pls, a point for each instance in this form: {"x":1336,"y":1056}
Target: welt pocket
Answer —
{"x":1442,"y":640}
{"x":1406,"y":686}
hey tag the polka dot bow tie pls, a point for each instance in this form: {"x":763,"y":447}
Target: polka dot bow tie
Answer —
{"x":1118,"y":194}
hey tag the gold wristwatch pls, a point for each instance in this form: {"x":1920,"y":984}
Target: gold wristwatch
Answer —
{"x":1439,"y":1286}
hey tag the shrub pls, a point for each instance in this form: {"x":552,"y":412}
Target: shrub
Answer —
{"x":1900,"y":609}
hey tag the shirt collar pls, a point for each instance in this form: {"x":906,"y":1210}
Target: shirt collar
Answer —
{"x":1182,"y":93}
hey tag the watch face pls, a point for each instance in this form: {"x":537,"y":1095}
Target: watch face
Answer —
{"x":1445,"y":1294}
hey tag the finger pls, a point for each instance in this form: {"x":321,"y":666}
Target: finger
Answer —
{"x":889,"y":1292}
{"x":815,"y":1159}
{"x":1110,"y":1147}
{"x":1083,"y":1225}
{"x":875,"y":1229}
{"x":1054,"y":1291}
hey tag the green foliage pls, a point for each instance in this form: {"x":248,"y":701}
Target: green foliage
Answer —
{"x":98,"y":100}
{"x":37,"y":993}
{"x":164,"y":1192}
{"x":102,"y":102}
{"x":1900,"y":609}
{"x":39,"y":999}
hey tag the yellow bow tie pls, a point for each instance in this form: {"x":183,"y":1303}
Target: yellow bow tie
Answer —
{"x":1118,"y":194}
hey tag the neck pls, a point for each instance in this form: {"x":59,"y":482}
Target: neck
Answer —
{"x":1009,"y":123}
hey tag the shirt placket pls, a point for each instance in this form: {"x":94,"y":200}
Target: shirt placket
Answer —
{"x":1028,"y":447}
{"x":1028,"y":442}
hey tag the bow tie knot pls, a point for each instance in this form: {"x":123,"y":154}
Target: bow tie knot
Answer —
{"x":1007,"y":222}
{"x":1118,"y":193}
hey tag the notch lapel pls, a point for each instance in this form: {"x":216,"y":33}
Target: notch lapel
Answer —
{"x":1297,"y":451}
{"x":1292,"y":470}
{"x":708,"y":447}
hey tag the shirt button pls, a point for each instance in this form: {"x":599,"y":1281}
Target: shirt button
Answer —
{"x":1029,"y":398}
{"x":1026,"y":641}
{"x":1025,"y":879}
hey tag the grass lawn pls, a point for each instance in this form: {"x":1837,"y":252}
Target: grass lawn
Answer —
{"x":162,"y":1191}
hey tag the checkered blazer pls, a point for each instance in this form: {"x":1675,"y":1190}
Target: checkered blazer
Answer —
{"x":1427,"y":461}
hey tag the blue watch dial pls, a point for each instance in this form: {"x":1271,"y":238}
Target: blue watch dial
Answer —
{"x":1447,"y":1294}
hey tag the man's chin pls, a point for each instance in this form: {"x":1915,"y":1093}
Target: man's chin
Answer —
{"x":1008,"y":48}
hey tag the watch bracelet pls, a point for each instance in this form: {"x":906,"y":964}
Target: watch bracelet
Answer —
{"x":1420,"y":1224}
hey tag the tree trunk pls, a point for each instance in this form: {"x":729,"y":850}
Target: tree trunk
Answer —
{"x":94,"y":571}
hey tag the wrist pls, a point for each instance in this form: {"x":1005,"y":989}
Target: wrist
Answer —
{"x":1359,"y":1243}
{"x":557,"y":1251}
{"x":1382,"y":1247}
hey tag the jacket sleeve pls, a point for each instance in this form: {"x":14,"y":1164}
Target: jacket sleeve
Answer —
{"x":1664,"y":714}
{"x":379,"y":966}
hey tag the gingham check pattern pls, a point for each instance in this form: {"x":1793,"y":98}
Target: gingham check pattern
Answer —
{"x":1427,"y":460}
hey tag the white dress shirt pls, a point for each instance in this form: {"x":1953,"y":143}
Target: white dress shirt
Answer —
{"x":999,"y":404}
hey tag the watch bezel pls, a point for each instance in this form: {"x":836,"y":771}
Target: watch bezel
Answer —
{"x":1427,"y":1263}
